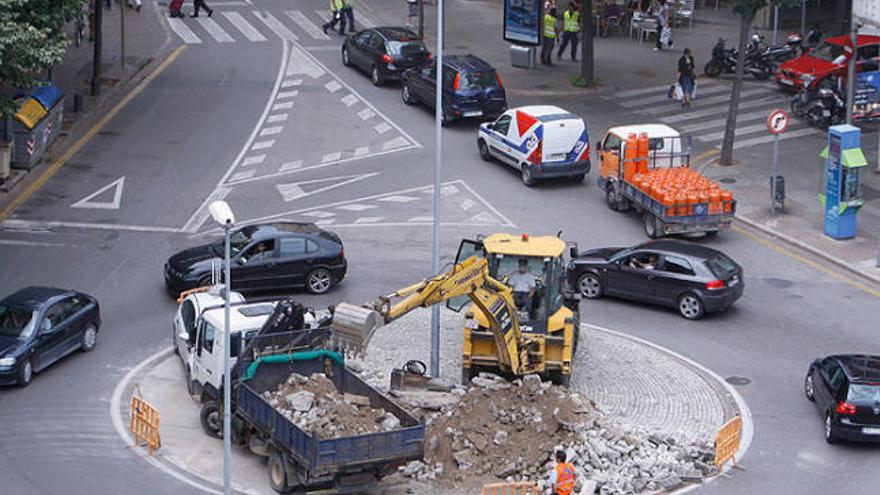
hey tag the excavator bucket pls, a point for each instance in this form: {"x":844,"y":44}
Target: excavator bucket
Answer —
{"x":353,"y":327}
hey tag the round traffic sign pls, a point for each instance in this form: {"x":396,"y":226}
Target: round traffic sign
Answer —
{"x":778,"y":121}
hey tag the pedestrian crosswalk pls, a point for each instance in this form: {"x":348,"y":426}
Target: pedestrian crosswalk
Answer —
{"x":258,"y":26}
{"x":705,"y":119}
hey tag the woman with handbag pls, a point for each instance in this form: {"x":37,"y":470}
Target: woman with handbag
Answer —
{"x":686,"y":77}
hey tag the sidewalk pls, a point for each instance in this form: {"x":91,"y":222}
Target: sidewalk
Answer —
{"x":145,"y":38}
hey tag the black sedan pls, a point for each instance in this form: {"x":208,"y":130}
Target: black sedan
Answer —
{"x":268,"y":256}
{"x":39,"y":326}
{"x":384,"y":52}
{"x":846,"y":391}
{"x":692,"y":278}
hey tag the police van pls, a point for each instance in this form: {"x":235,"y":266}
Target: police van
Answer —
{"x":541,"y":141}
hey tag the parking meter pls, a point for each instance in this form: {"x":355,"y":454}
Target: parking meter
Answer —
{"x":842,"y":194}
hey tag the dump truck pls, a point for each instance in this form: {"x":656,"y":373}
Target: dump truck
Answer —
{"x":646,"y":168}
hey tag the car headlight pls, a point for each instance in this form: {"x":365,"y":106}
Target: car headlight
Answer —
{"x":7,"y":361}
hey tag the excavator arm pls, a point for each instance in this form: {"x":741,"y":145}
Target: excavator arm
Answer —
{"x":354,"y":326}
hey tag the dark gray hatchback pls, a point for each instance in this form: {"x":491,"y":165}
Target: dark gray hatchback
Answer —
{"x":846,"y":391}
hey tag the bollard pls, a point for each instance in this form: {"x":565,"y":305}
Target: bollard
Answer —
{"x":77,"y":103}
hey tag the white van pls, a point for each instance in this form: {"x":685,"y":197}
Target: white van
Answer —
{"x":541,"y":141}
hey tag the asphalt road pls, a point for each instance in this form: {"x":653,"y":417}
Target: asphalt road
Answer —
{"x":365,"y":167}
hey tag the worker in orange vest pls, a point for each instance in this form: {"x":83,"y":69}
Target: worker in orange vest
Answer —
{"x":563,"y":477}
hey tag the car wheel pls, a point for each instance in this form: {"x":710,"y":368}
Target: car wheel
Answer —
{"x":90,"y":338}
{"x":691,"y":307}
{"x":375,"y":76}
{"x":211,"y":419}
{"x":319,"y":281}
{"x":589,"y":286}
{"x":809,"y":388}
{"x":527,"y":178}
{"x":278,"y":474}
{"x":406,"y":94}
{"x":484,"y":151}
{"x":346,"y":58}
{"x":25,"y":373}
{"x":830,"y":434}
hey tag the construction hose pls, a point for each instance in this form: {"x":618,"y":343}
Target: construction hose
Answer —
{"x":295,"y":356}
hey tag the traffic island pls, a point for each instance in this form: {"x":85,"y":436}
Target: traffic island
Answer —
{"x":638,"y":418}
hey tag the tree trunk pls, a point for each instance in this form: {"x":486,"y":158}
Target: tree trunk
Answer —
{"x":745,"y":26}
{"x":587,"y":72}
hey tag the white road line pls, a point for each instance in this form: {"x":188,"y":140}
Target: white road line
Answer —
{"x":675,"y":106}
{"x":382,"y":128}
{"x":183,"y":31}
{"x":369,"y":220}
{"x":301,"y":62}
{"x":261,"y":145}
{"x":421,"y":219}
{"x":270,"y":131}
{"x":325,"y":221}
{"x":37,"y":224}
{"x":360,"y":18}
{"x":246,"y":28}
{"x":366,"y":114}
{"x":308,"y":26}
{"x":488,"y":204}
{"x":291,"y":166}
{"x":740,"y":131}
{"x":276,"y":26}
{"x":331,"y":157}
{"x":397,"y":198}
{"x":281,"y":117}
{"x":467,"y":204}
{"x":285,"y":105}
{"x":655,"y":89}
{"x":807,"y":131}
{"x":333,"y":86}
{"x":638,"y":102}
{"x":253,"y":160}
{"x":363,"y":150}
{"x":15,"y":242}
{"x":319,"y":214}
{"x":745,"y":117}
{"x":247,"y":174}
{"x":355,"y":207}
{"x":349,"y":100}
{"x":292,"y":191}
{"x":290,"y":82}
{"x":114,"y":204}
{"x":287,"y":94}
{"x":715,"y":110}
{"x":394,"y":143}
{"x":214,"y":30}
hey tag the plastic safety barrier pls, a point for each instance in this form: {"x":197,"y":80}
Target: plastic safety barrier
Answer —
{"x":145,"y":424}
{"x":727,"y":442}
{"x":515,"y":488}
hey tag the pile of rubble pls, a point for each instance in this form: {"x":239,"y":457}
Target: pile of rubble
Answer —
{"x":509,"y":431}
{"x":315,"y":406}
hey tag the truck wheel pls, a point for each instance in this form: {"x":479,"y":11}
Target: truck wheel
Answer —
{"x":484,"y":151}
{"x":211,"y":418}
{"x":652,"y":225}
{"x":278,"y":474}
{"x":611,"y":198}
{"x":527,"y":178}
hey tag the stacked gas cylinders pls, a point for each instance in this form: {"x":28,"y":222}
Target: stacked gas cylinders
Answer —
{"x":680,"y":190}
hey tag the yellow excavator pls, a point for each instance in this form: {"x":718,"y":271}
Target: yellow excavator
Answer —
{"x":540,"y":336}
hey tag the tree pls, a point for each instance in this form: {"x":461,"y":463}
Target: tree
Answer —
{"x":32,"y":39}
{"x":747,"y":10}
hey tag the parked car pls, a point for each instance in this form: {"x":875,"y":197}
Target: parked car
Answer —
{"x":39,"y":326}
{"x":689,"y":277}
{"x":267,"y":256}
{"x":828,"y":59}
{"x":471,"y":88}
{"x":846,"y":391}
{"x":384,"y":52}
{"x":540,"y":141}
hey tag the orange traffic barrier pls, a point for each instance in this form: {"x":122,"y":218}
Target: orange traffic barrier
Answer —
{"x":727,"y":442}
{"x":145,"y":424}
{"x":515,"y":488}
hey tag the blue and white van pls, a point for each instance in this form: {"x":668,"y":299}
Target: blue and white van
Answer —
{"x":541,"y":141}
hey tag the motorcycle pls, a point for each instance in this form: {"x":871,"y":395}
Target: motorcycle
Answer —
{"x":723,"y":61}
{"x":829,"y":108}
{"x":801,"y":102}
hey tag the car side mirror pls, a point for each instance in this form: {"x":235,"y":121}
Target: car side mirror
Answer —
{"x":234,"y":344}
{"x":184,"y":336}
{"x":45,"y":326}
{"x":241,"y":260}
{"x":573,"y":252}
{"x":490,"y":126}
{"x":598,"y":145}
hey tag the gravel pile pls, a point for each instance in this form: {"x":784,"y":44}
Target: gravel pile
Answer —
{"x":315,"y":406}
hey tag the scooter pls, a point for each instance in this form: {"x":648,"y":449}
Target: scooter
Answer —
{"x":801,"y":102}
{"x":828,"y":109}
{"x":724,"y":60}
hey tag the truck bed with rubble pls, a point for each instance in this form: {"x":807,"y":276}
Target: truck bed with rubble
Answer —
{"x":301,"y":459}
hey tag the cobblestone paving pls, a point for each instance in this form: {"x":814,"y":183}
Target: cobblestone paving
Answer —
{"x":630,"y":381}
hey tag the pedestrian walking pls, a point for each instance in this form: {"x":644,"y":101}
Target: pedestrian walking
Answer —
{"x":348,"y":12}
{"x":686,"y":77}
{"x":109,"y":4}
{"x":336,"y":17}
{"x":664,"y":33}
{"x":571,"y":26}
{"x":200,"y":4}
{"x":412,"y":13}
{"x":549,"y":37}
{"x":562,"y":478}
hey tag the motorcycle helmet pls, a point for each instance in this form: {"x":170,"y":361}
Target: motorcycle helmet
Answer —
{"x":756,"y":39}
{"x":794,"y":38}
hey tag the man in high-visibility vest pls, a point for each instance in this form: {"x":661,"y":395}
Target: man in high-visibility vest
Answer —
{"x":348,"y":12}
{"x":562,"y":478}
{"x":549,"y":37}
{"x":336,"y":13}
{"x":571,"y":26}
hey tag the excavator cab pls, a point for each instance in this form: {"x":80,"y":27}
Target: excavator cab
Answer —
{"x":544,"y":314}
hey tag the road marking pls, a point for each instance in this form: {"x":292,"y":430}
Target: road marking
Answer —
{"x":113,"y":204}
{"x":183,"y":31}
{"x":369,"y":220}
{"x":708,"y":101}
{"x":275,"y":25}
{"x":355,"y":207}
{"x":366,"y":114}
{"x":269,"y":131}
{"x":421,"y":219}
{"x":253,"y":160}
{"x":308,"y":26}
{"x":279,"y":117}
{"x":467,"y":204}
{"x":398,"y":199}
{"x":247,"y":174}
{"x":746,"y":117}
{"x":58,"y":163}
{"x":717,"y":110}
{"x":367,"y":21}
{"x":294,"y":190}
{"x":282,"y":106}
{"x":214,"y":30}
{"x":740,"y":130}
{"x":654,"y":89}
{"x":331,"y":157}
{"x":201,"y":215}
{"x":301,"y":62}
{"x":287,"y":94}
{"x":15,"y":242}
{"x":319,"y":214}
{"x":291,"y":82}
{"x":246,"y":28}
{"x":807,"y":131}
{"x":488,"y":204}
{"x":333,"y":86}
{"x":46,"y":225}
{"x":655,"y":99}
{"x":349,"y":100}
{"x":394,"y":143}
{"x":261,"y":145}
{"x":382,"y":128}
{"x":291,"y":166}
{"x":363,"y":150}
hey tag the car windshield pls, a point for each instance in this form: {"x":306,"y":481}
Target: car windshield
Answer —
{"x":407,"y":48}
{"x":827,"y":52}
{"x":478,"y":80}
{"x":238,"y":240}
{"x":864,"y":394}
{"x":17,"y":322}
{"x":721,"y":265}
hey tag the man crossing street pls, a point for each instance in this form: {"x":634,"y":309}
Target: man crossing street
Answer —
{"x":562,"y":478}
{"x":549,"y":37}
{"x":348,"y":12}
{"x":571,"y":26}
{"x":336,"y":16}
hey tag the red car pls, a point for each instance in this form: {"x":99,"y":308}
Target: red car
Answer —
{"x":829,"y":58}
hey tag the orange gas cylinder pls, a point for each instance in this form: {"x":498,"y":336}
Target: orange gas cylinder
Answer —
{"x":727,"y":197}
{"x":693,"y":199}
{"x":631,"y":153}
{"x":669,"y":204}
{"x":681,"y":204}
{"x":644,"y":150}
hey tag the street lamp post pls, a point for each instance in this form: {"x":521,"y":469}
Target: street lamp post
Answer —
{"x":438,"y":162}
{"x":222,"y":214}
